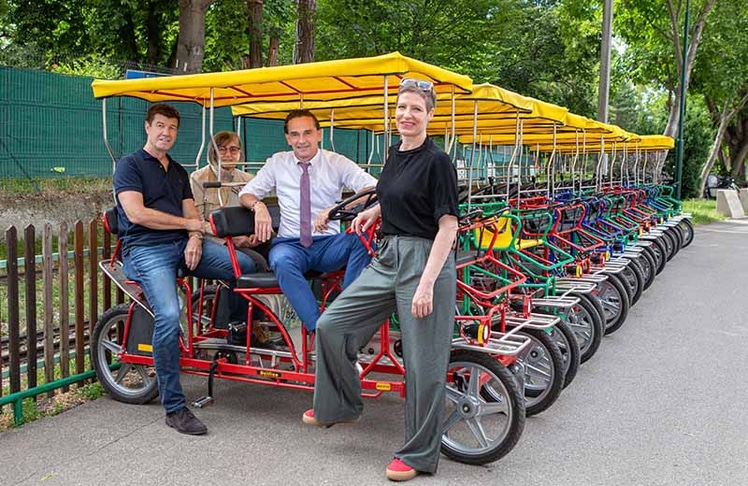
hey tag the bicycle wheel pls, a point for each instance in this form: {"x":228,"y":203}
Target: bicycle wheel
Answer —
{"x":543,"y":370}
{"x":615,"y":300}
{"x":647,"y":267}
{"x":484,"y":413}
{"x":686,"y":227}
{"x":127,"y":383}
{"x":660,"y":255}
{"x":634,"y":279}
{"x":563,"y":337}
{"x":588,"y":326}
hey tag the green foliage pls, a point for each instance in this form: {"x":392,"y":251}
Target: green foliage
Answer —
{"x":88,"y":66}
{"x":699,"y":135}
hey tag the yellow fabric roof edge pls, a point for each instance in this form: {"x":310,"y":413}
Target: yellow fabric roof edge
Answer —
{"x":333,"y":79}
{"x":490,"y":99}
{"x":656,"y":142}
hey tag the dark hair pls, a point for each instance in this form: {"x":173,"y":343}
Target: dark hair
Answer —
{"x":221,"y":138}
{"x":161,"y":109}
{"x":299,"y":114}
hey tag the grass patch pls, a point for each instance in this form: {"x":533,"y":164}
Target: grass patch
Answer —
{"x":47,"y":407}
{"x":702,"y":210}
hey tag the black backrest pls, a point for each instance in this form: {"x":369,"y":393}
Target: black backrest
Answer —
{"x":239,"y":221}
{"x":110,"y":220}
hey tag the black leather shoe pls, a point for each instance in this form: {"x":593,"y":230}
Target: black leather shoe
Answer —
{"x":185,"y":422}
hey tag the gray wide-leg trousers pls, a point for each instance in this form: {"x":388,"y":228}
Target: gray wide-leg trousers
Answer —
{"x":387,"y":285}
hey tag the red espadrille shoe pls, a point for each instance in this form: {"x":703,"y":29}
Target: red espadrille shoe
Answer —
{"x":399,"y":471}
{"x":308,"y":418}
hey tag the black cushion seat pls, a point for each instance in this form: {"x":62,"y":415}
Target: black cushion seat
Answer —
{"x":267,"y":280}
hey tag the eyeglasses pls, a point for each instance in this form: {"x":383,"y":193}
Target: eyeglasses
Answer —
{"x":418,"y":83}
{"x":231,"y":150}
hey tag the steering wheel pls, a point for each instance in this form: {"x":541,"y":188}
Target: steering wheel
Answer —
{"x":343,"y":213}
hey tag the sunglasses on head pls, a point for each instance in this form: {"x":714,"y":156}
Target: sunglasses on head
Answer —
{"x":418,"y":83}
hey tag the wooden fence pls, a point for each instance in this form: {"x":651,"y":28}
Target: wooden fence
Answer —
{"x":49,"y":318}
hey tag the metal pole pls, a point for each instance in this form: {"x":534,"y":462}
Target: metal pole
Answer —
{"x":679,"y":148}
{"x":604,"y":88}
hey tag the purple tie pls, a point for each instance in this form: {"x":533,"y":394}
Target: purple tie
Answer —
{"x":305,"y":207}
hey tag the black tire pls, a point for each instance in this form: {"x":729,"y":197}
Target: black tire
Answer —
{"x":587,"y":324}
{"x":482,"y":398}
{"x":543,"y":372}
{"x":660,"y":255}
{"x":633,"y":277}
{"x":563,"y":336}
{"x":615,"y":300}
{"x":669,"y":243}
{"x":647,"y":266}
{"x":128,"y":383}
{"x":686,"y":227}
{"x":677,"y":237}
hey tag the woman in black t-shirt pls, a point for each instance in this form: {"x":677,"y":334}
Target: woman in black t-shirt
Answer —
{"x":412,"y":274}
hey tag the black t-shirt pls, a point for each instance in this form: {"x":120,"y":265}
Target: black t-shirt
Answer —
{"x":415,"y":189}
{"x":163,"y":190}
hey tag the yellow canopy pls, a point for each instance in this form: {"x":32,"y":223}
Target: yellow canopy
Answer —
{"x":346,"y":78}
{"x":368,"y":111}
{"x":656,"y":142}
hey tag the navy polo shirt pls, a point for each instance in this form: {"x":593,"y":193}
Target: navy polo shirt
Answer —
{"x":162,"y":190}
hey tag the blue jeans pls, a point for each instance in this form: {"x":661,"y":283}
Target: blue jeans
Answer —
{"x":290,"y":261}
{"x":155,"y":270}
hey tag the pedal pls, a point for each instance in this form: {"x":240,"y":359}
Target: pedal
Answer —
{"x":203,"y":402}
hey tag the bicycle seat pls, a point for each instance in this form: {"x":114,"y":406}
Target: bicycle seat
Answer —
{"x":266,"y":280}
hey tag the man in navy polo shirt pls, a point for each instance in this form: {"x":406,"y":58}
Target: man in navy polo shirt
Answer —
{"x":161,"y":231}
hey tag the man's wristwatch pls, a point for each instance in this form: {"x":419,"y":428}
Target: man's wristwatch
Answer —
{"x":254,"y":206}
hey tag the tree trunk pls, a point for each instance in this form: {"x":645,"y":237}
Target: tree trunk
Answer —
{"x":305,"y":26}
{"x":254,"y":7}
{"x":671,"y":130}
{"x":737,"y":161}
{"x":273,"y":51}
{"x":724,"y":120}
{"x":191,"y":42}
{"x":153,"y":32}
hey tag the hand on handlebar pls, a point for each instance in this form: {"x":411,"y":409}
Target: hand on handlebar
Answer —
{"x":365,"y":219}
{"x":322,"y":219}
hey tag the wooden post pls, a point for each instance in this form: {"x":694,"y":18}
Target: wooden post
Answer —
{"x":49,"y":325}
{"x":106,"y":284}
{"x":78,"y":264}
{"x":93,"y":277}
{"x":29,"y":254}
{"x":62,"y":250}
{"x":14,"y":324}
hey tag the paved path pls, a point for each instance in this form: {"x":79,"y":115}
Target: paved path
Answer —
{"x":664,"y":402}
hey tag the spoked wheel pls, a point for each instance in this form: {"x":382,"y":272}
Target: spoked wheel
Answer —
{"x":647,"y":267}
{"x":686,"y":227}
{"x":660,"y":255}
{"x":543,"y":369}
{"x":484,"y":412}
{"x":677,"y":237}
{"x":128,"y":383}
{"x":668,"y":241}
{"x":615,"y":300}
{"x":563,"y":337}
{"x":632,"y":276}
{"x":587,"y":324}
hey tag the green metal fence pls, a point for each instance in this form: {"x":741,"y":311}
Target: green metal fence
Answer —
{"x":51,"y":126}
